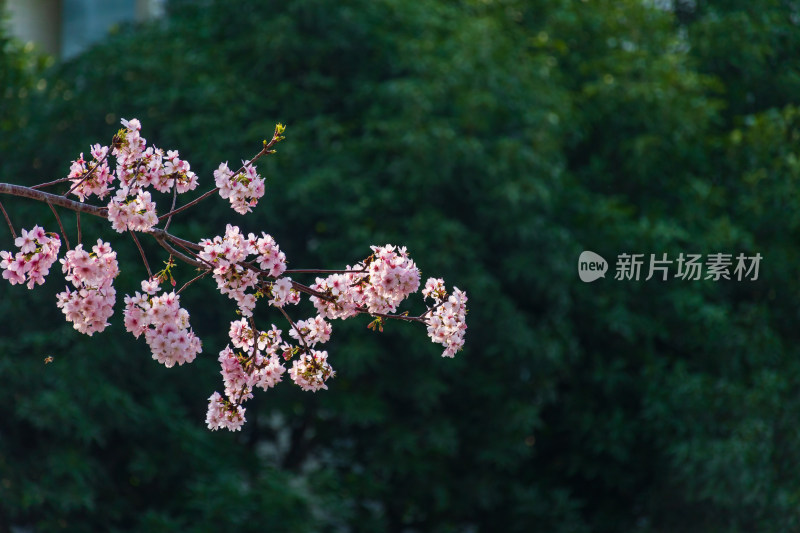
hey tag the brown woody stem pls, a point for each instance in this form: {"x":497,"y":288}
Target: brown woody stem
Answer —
{"x":8,"y":221}
{"x":61,"y":226}
{"x":55,"y":199}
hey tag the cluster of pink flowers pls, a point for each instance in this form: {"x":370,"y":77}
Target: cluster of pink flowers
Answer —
{"x":311,"y":371}
{"x":224,"y":414}
{"x":243,"y":189}
{"x":101,"y":176}
{"x":177,"y":173}
{"x":253,"y":362}
{"x":377,"y":285}
{"x":283,"y":293}
{"x":138,"y":167}
{"x":227,"y":256}
{"x":37,"y":253}
{"x":92,"y":274}
{"x":270,"y":258}
{"x":313,"y":331}
{"x":347,"y":289}
{"x":447,"y":319}
{"x":392,"y":277}
{"x":164,"y":323}
{"x":136,"y":213}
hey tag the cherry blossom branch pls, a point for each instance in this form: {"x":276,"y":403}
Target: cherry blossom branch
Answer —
{"x":163,"y":236}
{"x":404,"y":317}
{"x":255,"y":339}
{"x":58,"y":219}
{"x":296,"y":285}
{"x":311,"y":292}
{"x":187,"y":246}
{"x":266,"y":150}
{"x":374,"y":286}
{"x":8,"y":221}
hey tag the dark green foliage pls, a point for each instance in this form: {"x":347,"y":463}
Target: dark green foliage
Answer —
{"x":497,"y":140}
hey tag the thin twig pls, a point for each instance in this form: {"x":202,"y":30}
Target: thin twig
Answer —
{"x":58,"y":219}
{"x":192,"y":281}
{"x":190,"y":204}
{"x":8,"y":221}
{"x":78,"y":216}
{"x":255,"y":338}
{"x":174,"y":199}
{"x":139,"y":246}
{"x":49,"y":183}
{"x":294,"y":326}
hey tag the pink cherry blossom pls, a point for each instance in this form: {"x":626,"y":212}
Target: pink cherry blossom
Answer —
{"x":227,"y":255}
{"x":38,"y":251}
{"x":132,"y":212}
{"x":243,"y":190}
{"x":447,"y":320}
{"x":92,"y":274}
{"x":224,"y":414}
{"x":313,"y":331}
{"x":283,"y":293}
{"x":164,"y":323}
{"x":311,"y":371}
{"x":98,"y":183}
{"x":392,"y":277}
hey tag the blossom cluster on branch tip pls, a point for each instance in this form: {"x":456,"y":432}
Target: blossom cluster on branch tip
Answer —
{"x":254,"y":361}
{"x":243,"y":189}
{"x":377,"y":285}
{"x":94,"y":179}
{"x":92,"y":274}
{"x":447,"y":319}
{"x":246,"y":268}
{"x":311,"y":370}
{"x":37,"y":253}
{"x":164,"y":323}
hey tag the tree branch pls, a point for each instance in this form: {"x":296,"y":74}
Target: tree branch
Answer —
{"x":55,"y":199}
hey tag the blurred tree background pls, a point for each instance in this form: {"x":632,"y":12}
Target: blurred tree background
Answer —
{"x":497,"y":139}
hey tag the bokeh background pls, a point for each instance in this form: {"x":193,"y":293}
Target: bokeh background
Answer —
{"x":497,"y":139}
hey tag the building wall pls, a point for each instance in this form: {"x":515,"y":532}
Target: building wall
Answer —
{"x":64,"y":28}
{"x":38,"y":21}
